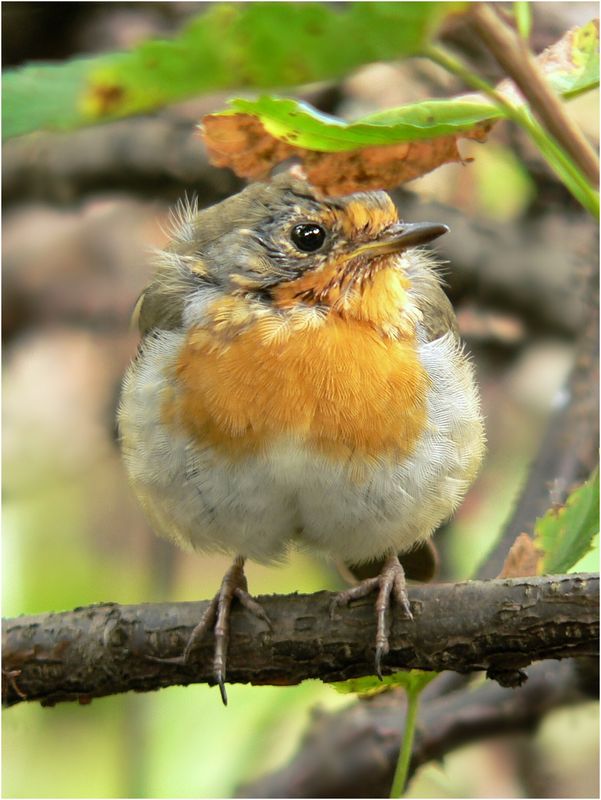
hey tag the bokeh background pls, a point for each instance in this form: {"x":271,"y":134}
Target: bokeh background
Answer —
{"x":82,"y":212}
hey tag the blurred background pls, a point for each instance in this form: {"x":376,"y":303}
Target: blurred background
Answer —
{"x":82,"y":212}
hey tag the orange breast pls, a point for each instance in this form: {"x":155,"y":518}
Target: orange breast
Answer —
{"x":339,"y":386}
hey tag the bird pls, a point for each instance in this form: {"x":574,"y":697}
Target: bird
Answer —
{"x":300,"y":382}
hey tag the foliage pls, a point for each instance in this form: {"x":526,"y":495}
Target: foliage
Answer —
{"x":580,"y":69}
{"x":230,"y":45}
{"x":270,"y":44}
{"x":342,"y":157}
{"x":299,"y":124}
{"x":566,"y":534}
{"x":413,"y":681}
{"x":302,"y":125}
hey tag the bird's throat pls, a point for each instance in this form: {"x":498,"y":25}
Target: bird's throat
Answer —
{"x":374,"y":292}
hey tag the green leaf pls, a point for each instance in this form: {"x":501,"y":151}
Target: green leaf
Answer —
{"x":571,"y":66}
{"x":303,"y":126}
{"x":590,"y":560}
{"x":230,"y":45}
{"x":577,"y":70}
{"x":41,"y":96}
{"x":413,"y":681}
{"x":566,"y":534}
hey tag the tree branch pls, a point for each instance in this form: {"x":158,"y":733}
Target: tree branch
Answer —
{"x":500,"y":626}
{"x":569,"y":450}
{"x":353,"y":752}
{"x":513,"y":55}
{"x":156,"y":156}
{"x":529,"y":268}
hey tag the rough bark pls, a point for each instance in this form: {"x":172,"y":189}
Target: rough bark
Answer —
{"x":499,"y":626}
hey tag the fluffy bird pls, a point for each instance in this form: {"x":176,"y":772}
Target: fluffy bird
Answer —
{"x":300,"y":382}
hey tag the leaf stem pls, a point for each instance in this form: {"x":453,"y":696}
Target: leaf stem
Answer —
{"x":561,"y":163}
{"x":523,"y":18}
{"x":563,"y":166}
{"x":402,"y":768}
{"x":513,"y":55}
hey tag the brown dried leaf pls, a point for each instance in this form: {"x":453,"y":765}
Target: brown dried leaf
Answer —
{"x":377,"y":167}
{"x":524,"y":559}
{"x":240,"y":141}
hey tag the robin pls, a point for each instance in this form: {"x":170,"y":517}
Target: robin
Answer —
{"x":300,"y":381}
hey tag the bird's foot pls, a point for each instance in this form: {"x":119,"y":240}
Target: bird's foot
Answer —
{"x":217,"y":618}
{"x":390,"y":583}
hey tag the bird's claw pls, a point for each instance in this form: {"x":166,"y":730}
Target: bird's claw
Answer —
{"x":178,"y":661}
{"x":217,"y":618}
{"x":220,"y":681}
{"x":390,"y":582}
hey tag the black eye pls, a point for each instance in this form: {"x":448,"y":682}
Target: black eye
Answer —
{"x":308,"y":237}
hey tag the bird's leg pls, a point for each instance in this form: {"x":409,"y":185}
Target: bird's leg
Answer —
{"x":390,"y":582}
{"x":217,"y":618}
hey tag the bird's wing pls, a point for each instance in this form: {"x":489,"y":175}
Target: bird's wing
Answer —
{"x":158,"y":307}
{"x":438,"y":316}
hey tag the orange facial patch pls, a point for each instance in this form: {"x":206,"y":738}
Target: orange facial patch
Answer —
{"x":373,"y":292}
{"x":367,"y":214}
{"x":338,"y":386}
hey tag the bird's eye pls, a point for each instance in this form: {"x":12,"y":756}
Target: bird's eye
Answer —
{"x":308,"y":237}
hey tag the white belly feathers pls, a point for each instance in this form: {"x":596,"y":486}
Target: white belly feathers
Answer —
{"x":260,"y":505}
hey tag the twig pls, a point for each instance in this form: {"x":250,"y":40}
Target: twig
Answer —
{"x":352,"y":753}
{"x":566,"y":169}
{"x":156,"y":156}
{"x":569,"y":450}
{"x":512,"y":53}
{"x":527,"y":269}
{"x":499,"y":626}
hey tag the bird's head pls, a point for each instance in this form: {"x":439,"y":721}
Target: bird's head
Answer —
{"x":287,"y":244}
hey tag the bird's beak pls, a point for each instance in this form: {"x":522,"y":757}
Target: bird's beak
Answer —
{"x":403,"y":238}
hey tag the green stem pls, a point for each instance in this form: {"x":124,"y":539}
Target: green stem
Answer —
{"x":454,"y":66}
{"x":402,"y":768}
{"x":563,"y":166}
{"x":523,"y":18}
